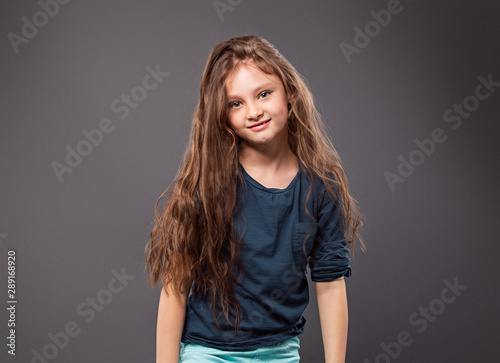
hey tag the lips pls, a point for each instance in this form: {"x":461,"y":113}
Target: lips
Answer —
{"x":259,"y":124}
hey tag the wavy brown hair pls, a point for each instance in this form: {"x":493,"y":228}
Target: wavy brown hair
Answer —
{"x":193,"y":242}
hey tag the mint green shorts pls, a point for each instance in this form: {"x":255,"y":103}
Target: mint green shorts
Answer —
{"x":284,"y":352}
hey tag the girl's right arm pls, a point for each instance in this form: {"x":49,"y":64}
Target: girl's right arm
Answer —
{"x":171,"y":315}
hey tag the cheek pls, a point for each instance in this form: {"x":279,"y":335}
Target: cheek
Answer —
{"x":283,"y":112}
{"x":281,"y":106}
{"x":235,"y":117}
{"x":232,"y":120}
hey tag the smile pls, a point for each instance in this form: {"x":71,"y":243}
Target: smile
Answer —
{"x":260,"y":126}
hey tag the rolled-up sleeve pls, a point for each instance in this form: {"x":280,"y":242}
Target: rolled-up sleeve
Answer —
{"x":329,"y":258}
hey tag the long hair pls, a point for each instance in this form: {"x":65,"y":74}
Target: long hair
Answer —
{"x":193,"y":242}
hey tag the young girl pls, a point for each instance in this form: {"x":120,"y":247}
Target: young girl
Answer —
{"x":260,"y":195}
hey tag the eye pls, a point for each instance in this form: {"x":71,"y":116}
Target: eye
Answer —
{"x":264,"y":94}
{"x":234,"y":104}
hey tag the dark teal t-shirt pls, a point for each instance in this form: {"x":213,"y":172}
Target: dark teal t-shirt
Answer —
{"x":273,"y":291}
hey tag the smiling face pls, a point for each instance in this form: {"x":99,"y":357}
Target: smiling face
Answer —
{"x":257,"y":107}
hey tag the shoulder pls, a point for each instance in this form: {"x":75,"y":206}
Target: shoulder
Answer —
{"x":319,"y":185}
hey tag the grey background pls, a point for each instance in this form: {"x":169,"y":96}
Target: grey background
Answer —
{"x":69,"y":236}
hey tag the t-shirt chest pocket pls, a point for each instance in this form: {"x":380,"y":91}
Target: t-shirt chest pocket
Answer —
{"x":302,"y":229}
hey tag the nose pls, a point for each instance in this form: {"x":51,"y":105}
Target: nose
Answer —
{"x":254,"y":112}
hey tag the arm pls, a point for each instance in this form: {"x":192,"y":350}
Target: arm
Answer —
{"x":171,"y":315}
{"x":332,"y":306}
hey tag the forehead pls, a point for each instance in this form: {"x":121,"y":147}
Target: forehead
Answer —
{"x":248,"y":74}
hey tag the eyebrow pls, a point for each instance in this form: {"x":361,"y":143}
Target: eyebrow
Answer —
{"x":262,"y":85}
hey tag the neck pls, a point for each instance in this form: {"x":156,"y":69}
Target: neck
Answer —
{"x":269,"y":158}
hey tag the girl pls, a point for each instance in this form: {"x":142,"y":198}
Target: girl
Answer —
{"x":260,"y":195}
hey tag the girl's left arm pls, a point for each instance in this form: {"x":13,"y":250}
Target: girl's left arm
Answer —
{"x":332,"y":306}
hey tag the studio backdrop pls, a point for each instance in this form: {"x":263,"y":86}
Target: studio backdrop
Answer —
{"x":96,"y":104}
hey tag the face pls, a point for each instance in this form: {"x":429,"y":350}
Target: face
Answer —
{"x":257,"y":107}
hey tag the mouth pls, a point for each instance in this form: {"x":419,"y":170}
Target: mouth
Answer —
{"x":259,"y":124}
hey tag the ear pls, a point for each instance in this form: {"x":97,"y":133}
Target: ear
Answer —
{"x":290,"y":99}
